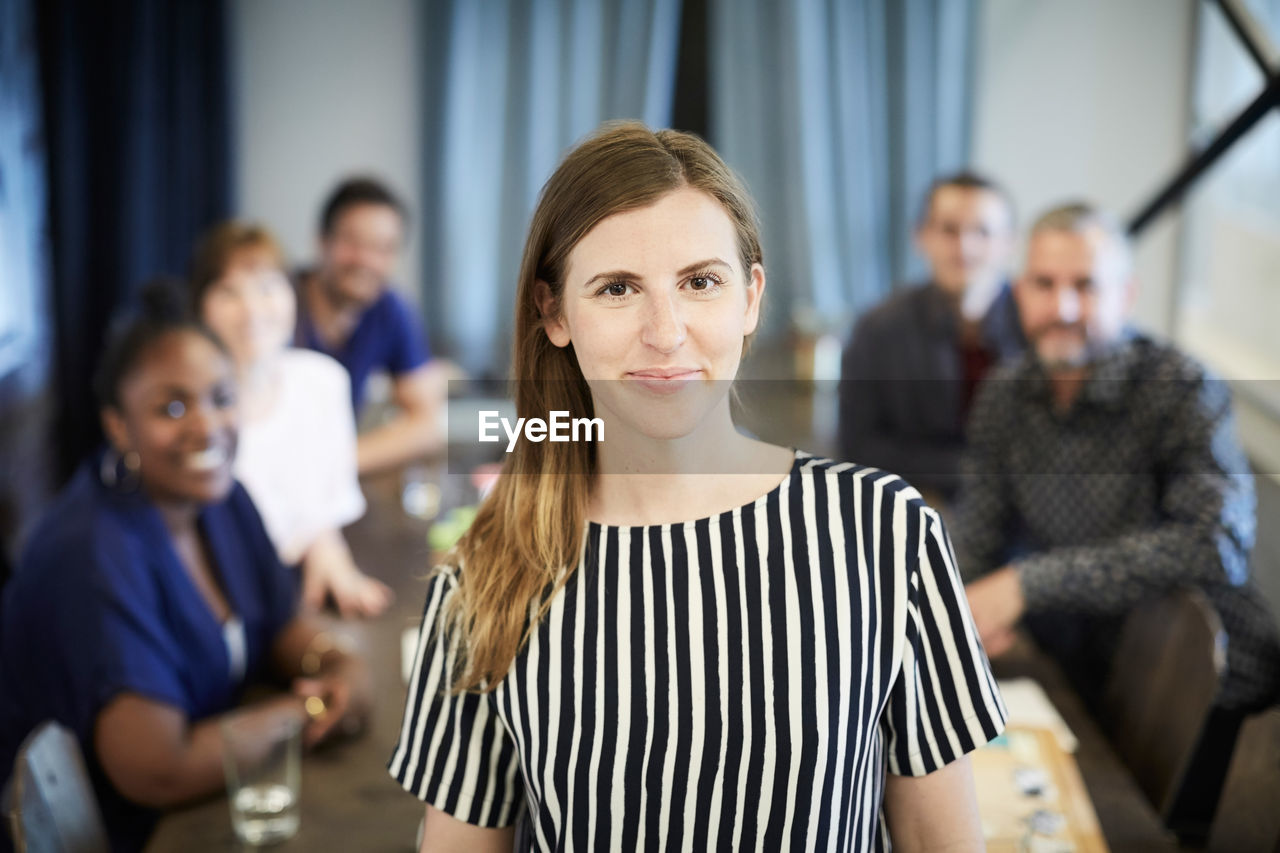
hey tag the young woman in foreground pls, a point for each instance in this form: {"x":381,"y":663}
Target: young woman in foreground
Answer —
{"x":681,"y":637}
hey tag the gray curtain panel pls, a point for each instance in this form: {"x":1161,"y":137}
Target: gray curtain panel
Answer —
{"x":838,"y":113}
{"x":511,"y":85}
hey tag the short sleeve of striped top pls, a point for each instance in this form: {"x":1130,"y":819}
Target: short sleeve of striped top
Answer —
{"x":742,"y":681}
{"x":463,"y":761}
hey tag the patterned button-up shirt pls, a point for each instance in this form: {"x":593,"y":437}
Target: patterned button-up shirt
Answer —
{"x":1139,"y":487}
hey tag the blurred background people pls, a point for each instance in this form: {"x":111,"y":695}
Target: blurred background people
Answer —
{"x":912,"y":363}
{"x":347,"y":309}
{"x":149,"y":595}
{"x":297,"y":450}
{"x":1103,"y":470}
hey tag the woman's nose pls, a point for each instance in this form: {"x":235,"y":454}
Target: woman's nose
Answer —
{"x":664,"y":328}
{"x":202,"y":419}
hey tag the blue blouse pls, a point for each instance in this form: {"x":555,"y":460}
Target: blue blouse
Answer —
{"x":101,"y":605}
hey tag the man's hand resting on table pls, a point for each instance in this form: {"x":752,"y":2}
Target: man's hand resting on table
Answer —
{"x":997,"y":604}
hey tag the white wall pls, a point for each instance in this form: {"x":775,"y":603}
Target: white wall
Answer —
{"x":324,"y":88}
{"x":1089,"y":98}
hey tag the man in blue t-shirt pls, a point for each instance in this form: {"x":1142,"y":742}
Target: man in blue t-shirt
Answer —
{"x":348,"y":310}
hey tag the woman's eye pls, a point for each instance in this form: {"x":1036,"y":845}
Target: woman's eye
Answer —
{"x":175,"y":409}
{"x":224,"y":398}
{"x":703,"y":283}
{"x":618,"y":288}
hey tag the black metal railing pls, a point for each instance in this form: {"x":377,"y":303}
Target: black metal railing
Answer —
{"x":1258,"y":45}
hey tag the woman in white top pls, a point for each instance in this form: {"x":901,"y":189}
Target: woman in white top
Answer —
{"x":679,"y":637}
{"x":297,"y":454}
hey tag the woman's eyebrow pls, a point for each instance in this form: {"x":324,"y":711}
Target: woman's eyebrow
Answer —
{"x":170,"y":391}
{"x":611,"y":276}
{"x":614,"y":275}
{"x":702,"y":265}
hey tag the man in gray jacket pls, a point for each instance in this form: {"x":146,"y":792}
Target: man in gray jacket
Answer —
{"x":913,"y":361}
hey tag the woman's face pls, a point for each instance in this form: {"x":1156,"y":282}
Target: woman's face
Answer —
{"x":656,"y":305}
{"x":251,"y":308}
{"x":178,"y":413}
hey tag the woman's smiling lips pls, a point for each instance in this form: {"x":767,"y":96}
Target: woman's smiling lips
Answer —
{"x":664,"y":380}
{"x":208,"y":460}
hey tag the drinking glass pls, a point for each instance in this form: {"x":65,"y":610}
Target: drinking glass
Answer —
{"x":263,"y":763}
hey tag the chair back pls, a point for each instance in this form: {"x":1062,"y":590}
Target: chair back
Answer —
{"x":52,"y":808}
{"x":1248,"y":819}
{"x":1159,"y":705}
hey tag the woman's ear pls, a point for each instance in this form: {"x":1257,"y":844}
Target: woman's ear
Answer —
{"x":114,"y":427}
{"x":552,"y":318}
{"x":755,"y":293}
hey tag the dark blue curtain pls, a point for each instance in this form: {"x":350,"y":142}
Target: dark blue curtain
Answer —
{"x":25,"y":361}
{"x":137,"y":116}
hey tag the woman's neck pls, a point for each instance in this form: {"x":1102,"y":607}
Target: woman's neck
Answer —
{"x":642,"y":480}
{"x":259,"y":386}
{"x":179,"y":517}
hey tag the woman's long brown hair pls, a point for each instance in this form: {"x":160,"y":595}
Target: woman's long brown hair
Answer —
{"x":527,"y":537}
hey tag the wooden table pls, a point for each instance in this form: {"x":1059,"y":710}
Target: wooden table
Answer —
{"x":1129,"y":823}
{"x":349,"y":802}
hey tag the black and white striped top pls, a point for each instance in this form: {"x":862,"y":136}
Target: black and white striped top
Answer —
{"x":737,"y":682}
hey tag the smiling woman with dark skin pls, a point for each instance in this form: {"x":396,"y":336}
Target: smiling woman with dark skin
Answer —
{"x":149,"y":594}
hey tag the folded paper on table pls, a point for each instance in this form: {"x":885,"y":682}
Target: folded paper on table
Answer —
{"x":1031,"y":796}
